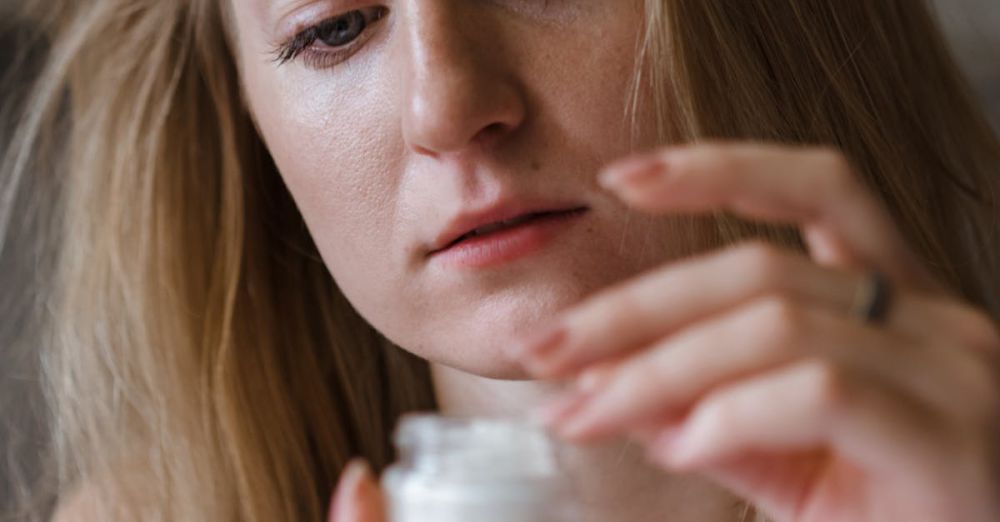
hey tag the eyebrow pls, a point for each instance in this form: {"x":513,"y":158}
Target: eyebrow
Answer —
{"x":276,"y":14}
{"x":269,"y":14}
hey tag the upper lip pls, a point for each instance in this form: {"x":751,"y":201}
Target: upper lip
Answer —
{"x":469,"y":220}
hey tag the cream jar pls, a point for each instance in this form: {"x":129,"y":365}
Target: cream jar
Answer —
{"x":454,"y":469}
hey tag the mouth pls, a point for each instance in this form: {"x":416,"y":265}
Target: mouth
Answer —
{"x":507,"y":225}
{"x":494,"y":228}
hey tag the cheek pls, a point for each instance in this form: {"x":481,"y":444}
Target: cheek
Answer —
{"x":334,"y":154}
{"x":584,"y":84}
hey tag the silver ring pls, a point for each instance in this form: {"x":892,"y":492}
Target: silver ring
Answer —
{"x":873,"y":299}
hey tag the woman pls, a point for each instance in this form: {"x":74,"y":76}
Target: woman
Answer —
{"x":441,"y":159}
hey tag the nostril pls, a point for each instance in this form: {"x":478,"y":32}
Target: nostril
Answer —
{"x":491,"y":132}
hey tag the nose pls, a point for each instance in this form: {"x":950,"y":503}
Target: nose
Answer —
{"x":457,"y":92}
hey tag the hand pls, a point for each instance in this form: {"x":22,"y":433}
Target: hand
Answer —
{"x":746,"y":365}
{"x":358,"y":497}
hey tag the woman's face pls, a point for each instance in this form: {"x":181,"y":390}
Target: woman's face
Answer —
{"x":402,"y":124}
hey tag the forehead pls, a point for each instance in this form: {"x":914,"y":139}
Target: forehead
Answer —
{"x":262,"y":9}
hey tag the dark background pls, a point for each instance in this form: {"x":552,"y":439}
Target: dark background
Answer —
{"x":21,"y":276}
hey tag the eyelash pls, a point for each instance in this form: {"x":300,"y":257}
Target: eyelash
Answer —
{"x":302,"y":45}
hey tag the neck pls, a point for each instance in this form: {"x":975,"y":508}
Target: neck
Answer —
{"x":616,"y":482}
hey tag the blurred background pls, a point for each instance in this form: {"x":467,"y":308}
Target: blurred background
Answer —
{"x":974,"y":29}
{"x":972,"y":25}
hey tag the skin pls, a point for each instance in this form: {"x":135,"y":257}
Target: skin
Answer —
{"x":743,"y":365}
{"x":429,"y":117}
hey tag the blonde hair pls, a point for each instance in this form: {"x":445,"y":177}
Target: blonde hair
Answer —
{"x":202,"y":364}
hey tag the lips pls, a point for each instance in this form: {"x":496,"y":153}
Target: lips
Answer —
{"x":497,"y":219}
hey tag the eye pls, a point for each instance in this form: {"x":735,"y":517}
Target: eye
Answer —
{"x":341,"y":30}
{"x":330,"y":41}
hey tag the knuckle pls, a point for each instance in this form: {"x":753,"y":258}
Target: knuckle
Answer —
{"x":707,"y":158}
{"x":832,"y":385}
{"x":836,"y":168}
{"x":687,"y":160}
{"x":612,"y":307}
{"x":646,"y":376}
{"x":780,"y":319}
{"x":762,"y":261}
{"x":637,"y":378}
{"x":626,"y":308}
{"x":728,"y":162}
{"x":830,"y":155}
{"x":718,"y":414}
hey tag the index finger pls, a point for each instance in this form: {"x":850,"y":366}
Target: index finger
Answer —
{"x":843,"y":224}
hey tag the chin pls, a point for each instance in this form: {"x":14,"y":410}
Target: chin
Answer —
{"x":491,"y":363}
{"x":468,"y":325}
{"x":479,"y":343}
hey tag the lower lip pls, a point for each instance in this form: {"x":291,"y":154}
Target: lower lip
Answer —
{"x":509,"y":244}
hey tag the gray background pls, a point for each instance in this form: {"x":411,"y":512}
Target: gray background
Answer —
{"x":974,"y":29}
{"x":973,"y":25}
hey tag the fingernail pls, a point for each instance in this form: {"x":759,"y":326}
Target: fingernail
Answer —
{"x":364,"y":482}
{"x":633,"y":171}
{"x":354,"y":486}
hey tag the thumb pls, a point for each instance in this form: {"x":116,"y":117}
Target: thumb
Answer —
{"x":358,"y":497}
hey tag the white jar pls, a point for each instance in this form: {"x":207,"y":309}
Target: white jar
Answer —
{"x":454,"y":469}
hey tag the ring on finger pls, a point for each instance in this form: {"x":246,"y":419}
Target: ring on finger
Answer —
{"x":873,"y":299}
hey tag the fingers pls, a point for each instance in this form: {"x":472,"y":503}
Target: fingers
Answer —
{"x":633,"y":315}
{"x":877,"y":438}
{"x":813,"y":187}
{"x":792,"y":437}
{"x":664,"y":380}
{"x":358,"y":497}
{"x":667,"y":379}
{"x":776,"y":483}
{"x":658,"y":304}
{"x":811,"y":404}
